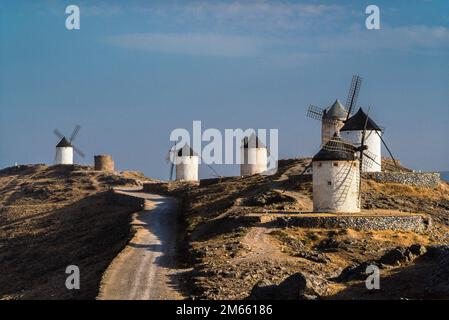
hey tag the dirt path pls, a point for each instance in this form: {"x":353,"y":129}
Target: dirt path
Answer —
{"x":260,"y":246}
{"x":146,"y":269}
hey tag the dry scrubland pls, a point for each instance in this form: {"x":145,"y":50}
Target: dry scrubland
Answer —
{"x":54,"y":216}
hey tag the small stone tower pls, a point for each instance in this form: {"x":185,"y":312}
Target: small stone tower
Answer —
{"x":104,"y":163}
{"x":333,"y":120}
{"x":352,"y":132}
{"x":254,"y":156}
{"x":186,"y":163}
{"x":64,"y":152}
{"x":336,"y":179}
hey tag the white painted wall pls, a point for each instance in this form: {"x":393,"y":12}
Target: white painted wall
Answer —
{"x":328,"y":129}
{"x":336,"y":188}
{"x":187,"y":168}
{"x":64,"y":155}
{"x":374,"y":144}
{"x":253,"y":161}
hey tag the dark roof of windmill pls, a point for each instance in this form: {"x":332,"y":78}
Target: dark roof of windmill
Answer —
{"x":64,"y":143}
{"x":186,"y":151}
{"x":357,"y":122}
{"x":340,"y":151}
{"x":336,"y":111}
{"x":252,"y":142}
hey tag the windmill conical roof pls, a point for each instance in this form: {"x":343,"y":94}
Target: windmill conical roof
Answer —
{"x":334,"y":150}
{"x":186,"y":151}
{"x":357,"y":122}
{"x":336,"y":111}
{"x":252,"y":142}
{"x":64,"y":143}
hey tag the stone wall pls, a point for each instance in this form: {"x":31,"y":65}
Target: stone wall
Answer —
{"x":421,"y":179}
{"x":414,"y":223}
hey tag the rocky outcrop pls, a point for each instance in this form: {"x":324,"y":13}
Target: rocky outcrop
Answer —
{"x":395,"y":257}
{"x":296,"y":287}
{"x":400,"y":255}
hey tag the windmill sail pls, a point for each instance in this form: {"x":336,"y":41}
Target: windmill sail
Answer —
{"x":318,"y":113}
{"x":353,"y":94}
{"x":315,"y":112}
{"x":74,"y":133}
{"x":69,"y":143}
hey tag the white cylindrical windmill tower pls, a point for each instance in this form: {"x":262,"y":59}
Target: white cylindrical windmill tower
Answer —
{"x":336,"y":177}
{"x":352,"y":131}
{"x":186,"y":163}
{"x":332,"y":121}
{"x":64,"y":152}
{"x":253,"y":156}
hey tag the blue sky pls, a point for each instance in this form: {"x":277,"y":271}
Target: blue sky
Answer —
{"x":136,"y":71}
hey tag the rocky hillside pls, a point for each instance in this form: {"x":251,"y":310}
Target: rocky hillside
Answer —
{"x":234,"y":254}
{"x":55,"y":216}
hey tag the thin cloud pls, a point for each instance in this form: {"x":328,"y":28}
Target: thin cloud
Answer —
{"x":194,"y":44}
{"x":296,"y":49}
{"x":418,"y":39}
{"x":249,"y":15}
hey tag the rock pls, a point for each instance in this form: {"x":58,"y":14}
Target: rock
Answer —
{"x":401,"y":255}
{"x":295,"y":287}
{"x":268,"y":198}
{"x":396,"y":257}
{"x":417,"y":249}
{"x":263,"y":290}
{"x":313,"y":256}
{"x":354,"y":272}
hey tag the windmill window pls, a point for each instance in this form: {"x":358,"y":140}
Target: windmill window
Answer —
{"x":329,"y":183}
{"x":335,"y":164}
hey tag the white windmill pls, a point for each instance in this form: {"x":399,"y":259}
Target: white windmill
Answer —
{"x":185,"y":161}
{"x":65,"y":148}
{"x":336,"y":178}
{"x":352,"y":132}
{"x":337,"y":171}
{"x":254,"y":156}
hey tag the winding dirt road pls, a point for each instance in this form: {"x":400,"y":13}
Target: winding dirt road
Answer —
{"x":146,"y":268}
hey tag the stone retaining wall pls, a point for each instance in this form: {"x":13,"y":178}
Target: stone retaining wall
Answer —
{"x":422,"y":179}
{"x":414,"y":223}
